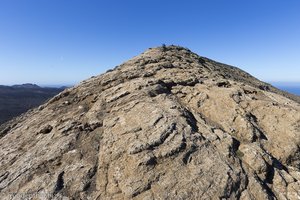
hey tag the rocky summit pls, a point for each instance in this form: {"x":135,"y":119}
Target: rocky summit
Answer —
{"x":167,"y":124}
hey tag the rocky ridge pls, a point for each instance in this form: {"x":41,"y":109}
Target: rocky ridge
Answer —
{"x":167,"y":124}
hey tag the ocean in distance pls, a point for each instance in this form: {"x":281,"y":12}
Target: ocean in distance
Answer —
{"x":293,"y":88}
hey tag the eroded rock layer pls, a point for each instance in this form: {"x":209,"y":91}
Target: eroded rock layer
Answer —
{"x":167,"y":124}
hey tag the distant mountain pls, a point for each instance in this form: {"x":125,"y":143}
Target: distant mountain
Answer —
{"x":27,"y":86}
{"x":17,"y":99}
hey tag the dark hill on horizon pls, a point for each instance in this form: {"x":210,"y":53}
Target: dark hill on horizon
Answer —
{"x":166,"y":124}
{"x":17,"y":99}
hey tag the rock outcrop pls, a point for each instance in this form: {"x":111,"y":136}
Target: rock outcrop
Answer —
{"x":167,"y":124}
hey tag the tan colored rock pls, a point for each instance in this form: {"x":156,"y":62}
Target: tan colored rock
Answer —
{"x":167,"y":124}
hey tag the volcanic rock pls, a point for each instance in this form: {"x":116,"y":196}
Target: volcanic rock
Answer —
{"x":167,"y":124}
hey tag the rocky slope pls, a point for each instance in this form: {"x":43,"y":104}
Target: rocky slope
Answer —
{"x":166,"y":124}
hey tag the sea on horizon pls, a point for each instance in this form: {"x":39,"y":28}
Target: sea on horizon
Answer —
{"x":293,"y":88}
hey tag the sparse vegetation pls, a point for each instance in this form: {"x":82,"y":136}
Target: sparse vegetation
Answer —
{"x":164,"y":47}
{"x":239,"y":154}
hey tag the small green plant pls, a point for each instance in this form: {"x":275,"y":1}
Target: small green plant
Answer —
{"x":98,"y":136}
{"x":239,"y":154}
{"x":164,"y":47}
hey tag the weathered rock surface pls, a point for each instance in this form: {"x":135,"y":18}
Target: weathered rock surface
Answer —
{"x":167,"y":124}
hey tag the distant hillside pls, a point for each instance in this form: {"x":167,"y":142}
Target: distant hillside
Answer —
{"x":17,"y":99}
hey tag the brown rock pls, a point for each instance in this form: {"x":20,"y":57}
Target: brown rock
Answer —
{"x":167,"y":124}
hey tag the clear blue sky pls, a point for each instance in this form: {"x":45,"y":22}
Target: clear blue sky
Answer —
{"x":66,"y":41}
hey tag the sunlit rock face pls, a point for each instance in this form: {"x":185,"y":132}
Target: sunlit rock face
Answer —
{"x":167,"y":124}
